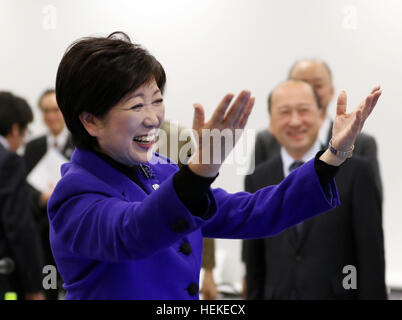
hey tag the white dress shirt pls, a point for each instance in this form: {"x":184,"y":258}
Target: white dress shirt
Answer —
{"x":60,"y":140}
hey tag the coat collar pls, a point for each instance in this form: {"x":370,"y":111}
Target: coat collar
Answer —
{"x":92,"y":163}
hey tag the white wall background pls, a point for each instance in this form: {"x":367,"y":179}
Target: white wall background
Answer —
{"x":211,"y":47}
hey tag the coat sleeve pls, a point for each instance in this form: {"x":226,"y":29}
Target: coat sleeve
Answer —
{"x":271,"y":209}
{"x":368,"y":235}
{"x":20,"y":230}
{"x":95,"y":222}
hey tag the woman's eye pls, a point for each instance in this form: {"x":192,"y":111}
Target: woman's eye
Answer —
{"x":137,"y":106}
{"x":158,"y":102}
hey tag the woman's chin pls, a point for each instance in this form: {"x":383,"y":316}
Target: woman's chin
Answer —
{"x":142,"y":156}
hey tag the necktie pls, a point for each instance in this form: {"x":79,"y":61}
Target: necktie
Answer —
{"x":294,"y":166}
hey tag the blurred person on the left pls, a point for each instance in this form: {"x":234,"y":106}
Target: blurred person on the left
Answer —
{"x":19,"y":239}
{"x":56,"y":139}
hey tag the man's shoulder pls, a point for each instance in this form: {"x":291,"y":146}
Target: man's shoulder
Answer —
{"x":36,"y":142}
{"x":12,"y":168}
{"x":267,"y":139}
{"x":355,"y":167}
{"x":39,"y":139}
{"x":10,"y":159}
{"x":365,"y":139}
{"x":273,"y":162}
{"x":267,"y":172}
{"x":264,"y":135}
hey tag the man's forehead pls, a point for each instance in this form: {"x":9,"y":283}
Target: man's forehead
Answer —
{"x":295,"y":92}
{"x":293,"y":87}
{"x":49,"y":106}
{"x":296,"y":104}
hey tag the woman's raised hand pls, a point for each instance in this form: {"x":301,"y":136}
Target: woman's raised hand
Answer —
{"x":348,"y":125}
{"x":218,"y":136}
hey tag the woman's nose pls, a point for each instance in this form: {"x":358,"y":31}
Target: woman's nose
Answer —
{"x":151,"y":118}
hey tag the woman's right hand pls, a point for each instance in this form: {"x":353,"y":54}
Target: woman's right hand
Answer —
{"x":217,"y":137}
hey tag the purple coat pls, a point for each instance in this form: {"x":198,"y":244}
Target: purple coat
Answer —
{"x":113,"y":240}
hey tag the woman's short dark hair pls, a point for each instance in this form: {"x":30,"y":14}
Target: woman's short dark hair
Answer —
{"x":13,"y":110}
{"x":95,"y":73}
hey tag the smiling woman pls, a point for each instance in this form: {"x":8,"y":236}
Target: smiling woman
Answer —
{"x":129,"y":130}
{"x":125,"y":227}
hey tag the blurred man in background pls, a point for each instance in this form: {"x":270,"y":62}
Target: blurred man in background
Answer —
{"x":19,"y":239}
{"x":308,"y":261}
{"x":318,"y":74}
{"x":56,"y":139}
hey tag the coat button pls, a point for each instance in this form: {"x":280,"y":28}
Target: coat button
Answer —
{"x":298,"y":258}
{"x":192,"y":289}
{"x":186,"y":248}
{"x":180,"y":225}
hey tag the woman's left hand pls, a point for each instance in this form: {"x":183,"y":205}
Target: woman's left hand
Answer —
{"x":348,"y":125}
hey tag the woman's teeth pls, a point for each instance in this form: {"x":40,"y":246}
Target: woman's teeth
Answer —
{"x":145,"y":139}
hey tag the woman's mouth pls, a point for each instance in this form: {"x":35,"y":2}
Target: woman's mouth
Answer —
{"x":146,"y":141}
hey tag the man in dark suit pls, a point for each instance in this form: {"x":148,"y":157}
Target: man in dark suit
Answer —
{"x":58,"y":138}
{"x":337,"y":255}
{"x":319,"y":76}
{"x":19,"y":239}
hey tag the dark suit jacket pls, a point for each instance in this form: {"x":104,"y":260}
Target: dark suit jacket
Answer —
{"x":34,"y":152}
{"x":266,"y":146}
{"x":310,"y":266}
{"x":19,"y":239}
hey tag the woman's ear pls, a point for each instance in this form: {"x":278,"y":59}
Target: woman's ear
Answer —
{"x":90,"y":123}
